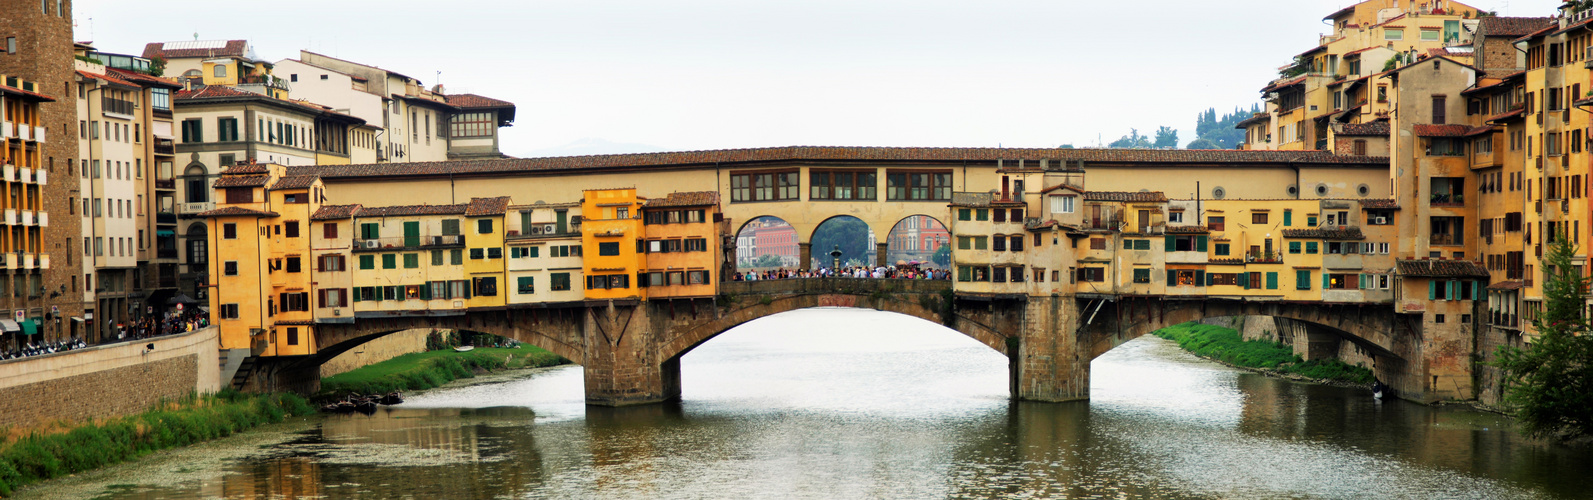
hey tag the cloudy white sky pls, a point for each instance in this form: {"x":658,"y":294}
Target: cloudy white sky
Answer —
{"x":686,"y":75}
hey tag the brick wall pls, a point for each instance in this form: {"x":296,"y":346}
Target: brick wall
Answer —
{"x":107,"y":381}
{"x":376,"y":351}
{"x":44,"y":55}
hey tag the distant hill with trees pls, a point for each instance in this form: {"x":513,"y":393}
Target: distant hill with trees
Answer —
{"x":1214,"y":133}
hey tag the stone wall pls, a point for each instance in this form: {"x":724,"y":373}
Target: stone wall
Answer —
{"x":376,"y":351}
{"x":107,"y":381}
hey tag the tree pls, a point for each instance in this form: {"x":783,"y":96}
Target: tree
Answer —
{"x":849,"y":233}
{"x":766,"y":260}
{"x":942,"y":256}
{"x":157,"y":66}
{"x":1203,"y":143}
{"x":1132,"y":140}
{"x":1548,"y":386}
{"x":1166,"y":137}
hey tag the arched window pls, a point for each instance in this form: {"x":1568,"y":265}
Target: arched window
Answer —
{"x":198,"y":186}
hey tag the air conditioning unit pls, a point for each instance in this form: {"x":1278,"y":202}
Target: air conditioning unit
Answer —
{"x":1382,"y":220}
{"x":549,"y":228}
{"x":536,"y":229}
{"x":372,"y":244}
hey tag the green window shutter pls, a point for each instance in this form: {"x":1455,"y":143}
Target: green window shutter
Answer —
{"x":1362,"y":283}
{"x":1432,"y":290}
{"x":425,"y":291}
{"x":1171,"y":243}
{"x":1327,"y":280}
{"x":1128,"y":244}
{"x":1272,"y":279}
{"x":963,"y":272}
{"x":1288,"y":218}
{"x":370,"y":230}
{"x":411,"y":260}
{"x":436,"y":257}
{"x":964,"y":214}
{"x":456,"y":256}
{"x":531,"y":251}
{"x":1294,"y":247}
{"x":1302,"y":280}
{"x":1310,"y":221}
{"x":1476,"y":290}
{"x":1310,"y":247}
{"x":1200,"y":243}
{"x":389,"y":261}
{"x":1200,"y":278}
{"x":525,"y":283}
{"x":1244,"y":280}
{"x":367,"y":262}
{"x":1172,"y":277}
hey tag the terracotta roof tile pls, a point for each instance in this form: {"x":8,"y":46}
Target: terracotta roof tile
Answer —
{"x":295,"y":182}
{"x":1064,"y":185}
{"x":1512,"y":26}
{"x":1322,"y":233}
{"x":1506,"y":115}
{"x":232,"y":48}
{"x":236,"y":211}
{"x":246,"y":168}
{"x":334,"y":212}
{"x":143,"y":79}
{"x":227,"y":181}
{"x":406,"y":210}
{"x":1508,"y":285}
{"x":1253,"y":119}
{"x":1187,"y":230}
{"x":1377,"y":128}
{"x":213,"y":91}
{"x":1453,"y":130}
{"x":1126,"y":196}
{"x":1479,"y":130}
{"x":1385,"y":204}
{"x":686,"y":199}
{"x":729,"y":157}
{"x":479,"y":207}
{"x":25,"y":95}
{"x":109,"y":77}
{"x":1441,"y":268}
{"x":473,"y":101}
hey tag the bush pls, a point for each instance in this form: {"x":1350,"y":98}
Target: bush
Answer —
{"x":1226,"y":345}
{"x":425,"y":370}
{"x":190,"y":420}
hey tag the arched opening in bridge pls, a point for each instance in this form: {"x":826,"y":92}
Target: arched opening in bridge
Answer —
{"x":766,"y":243}
{"x":849,"y":236}
{"x":841,"y":357}
{"x":919,"y":240}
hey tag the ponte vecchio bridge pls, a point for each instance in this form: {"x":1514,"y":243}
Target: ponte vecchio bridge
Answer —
{"x":1058,"y":256}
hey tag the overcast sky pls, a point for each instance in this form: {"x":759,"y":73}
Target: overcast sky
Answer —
{"x":686,"y":75}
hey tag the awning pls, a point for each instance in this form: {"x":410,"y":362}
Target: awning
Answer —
{"x":78,"y":319}
{"x":165,"y":233}
{"x":30,"y":327}
{"x":9,"y":326}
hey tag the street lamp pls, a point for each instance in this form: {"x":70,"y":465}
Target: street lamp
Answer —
{"x":835,"y":257}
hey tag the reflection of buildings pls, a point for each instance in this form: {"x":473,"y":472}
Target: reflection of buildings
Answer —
{"x":767,"y":236}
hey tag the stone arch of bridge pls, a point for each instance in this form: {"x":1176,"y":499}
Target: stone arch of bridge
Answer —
{"x":795,"y":234}
{"x":558,"y":334}
{"x":923,"y":307}
{"x":1388,"y":336}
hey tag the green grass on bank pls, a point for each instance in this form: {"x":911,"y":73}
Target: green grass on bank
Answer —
{"x":41,"y":456}
{"x":1226,"y":345}
{"x":425,"y":370}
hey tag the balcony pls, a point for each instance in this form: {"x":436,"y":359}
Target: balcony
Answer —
{"x":24,"y":175}
{"x":1445,"y":239}
{"x":1263,"y":258}
{"x":165,"y":218}
{"x":44,"y":261}
{"x":43,"y":218}
{"x":6,"y":130}
{"x":195,"y":207}
{"x":40,"y":177}
{"x":1497,"y":318}
{"x":165,"y":147}
{"x":170,"y":184}
{"x":26,"y":260}
{"x":24,"y":132}
{"x":38,"y":134}
{"x":166,"y":253}
{"x":1103,"y":224}
{"x":1448,"y":200}
{"x":401,"y":242}
{"x":25,"y":217}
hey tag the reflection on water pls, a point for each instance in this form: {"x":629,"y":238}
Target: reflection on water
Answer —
{"x":851,"y":403}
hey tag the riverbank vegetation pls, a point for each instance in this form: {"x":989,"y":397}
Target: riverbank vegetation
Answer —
{"x":1226,"y":345}
{"x":44,"y":455}
{"x":425,"y":370}
{"x":1546,"y":385}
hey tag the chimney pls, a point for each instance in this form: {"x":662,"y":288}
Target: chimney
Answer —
{"x":1004,"y":196}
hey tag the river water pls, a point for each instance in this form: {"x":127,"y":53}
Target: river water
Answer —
{"x":849,"y":403}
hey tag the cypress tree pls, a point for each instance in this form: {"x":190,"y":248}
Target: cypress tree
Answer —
{"x":1548,"y":386}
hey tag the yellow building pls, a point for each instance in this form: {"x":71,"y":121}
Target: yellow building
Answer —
{"x":611,"y":234}
{"x":409,"y":259}
{"x":484,"y":241}
{"x":684,"y":236}
{"x":544,"y":245}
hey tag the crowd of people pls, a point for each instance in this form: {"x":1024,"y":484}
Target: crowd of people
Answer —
{"x":879,"y":272}
{"x":29,"y":349}
{"x":174,"y":322}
